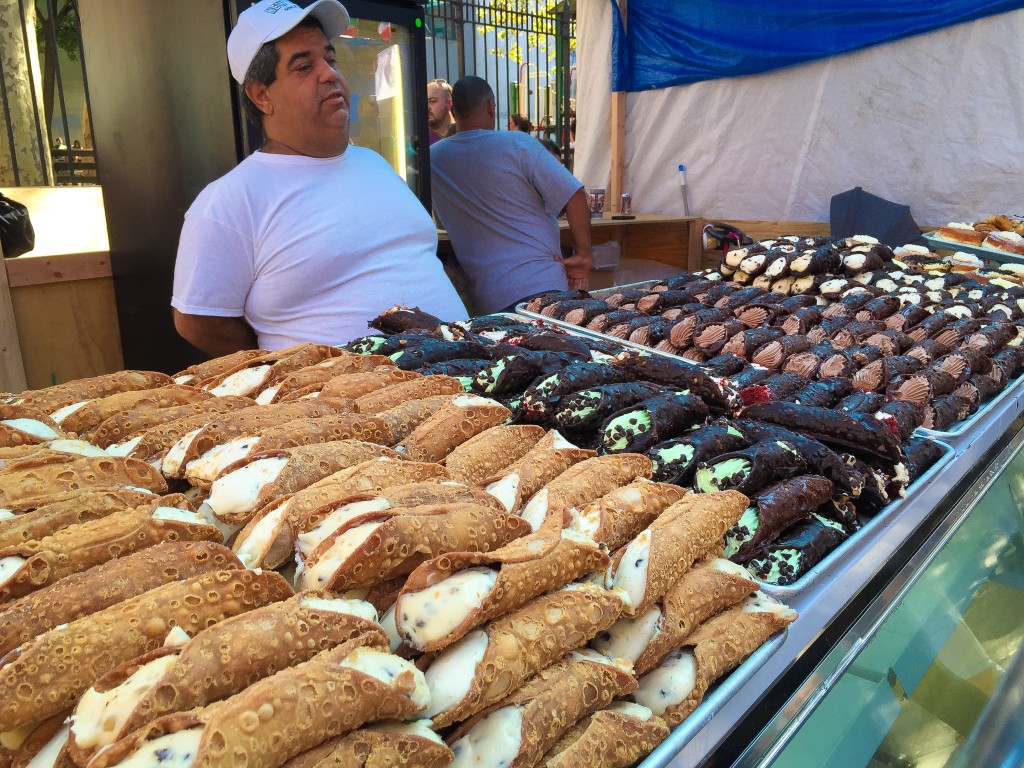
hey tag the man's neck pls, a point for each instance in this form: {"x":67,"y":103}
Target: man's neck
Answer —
{"x":276,"y":147}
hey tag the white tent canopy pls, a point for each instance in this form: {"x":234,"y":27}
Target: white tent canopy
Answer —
{"x":933,"y":121}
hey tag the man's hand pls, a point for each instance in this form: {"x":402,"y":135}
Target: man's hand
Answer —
{"x":215,"y":335}
{"x":577,"y":270}
{"x":577,"y":266}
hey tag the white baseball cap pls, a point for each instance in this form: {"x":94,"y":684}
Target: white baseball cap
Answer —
{"x":270,"y":19}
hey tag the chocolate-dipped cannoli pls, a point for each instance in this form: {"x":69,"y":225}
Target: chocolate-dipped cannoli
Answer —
{"x":608,"y":320}
{"x":559,"y":309}
{"x":625,"y":296}
{"x":398,"y":319}
{"x":46,"y":401}
{"x":381,"y":344}
{"x":539,"y":302}
{"x":902,"y":417}
{"x":120,"y":427}
{"x":759,"y":313}
{"x":929,"y":350}
{"x":540,"y":399}
{"x":661,"y":370}
{"x":616,"y":737}
{"x":808,"y":363}
{"x":907,"y":318}
{"x":448,"y":596}
{"x":658,"y":418}
{"x":298,"y":708}
{"x":682,"y":332}
{"x":52,"y":670}
{"x":436,"y":351}
{"x":824,"y":393}
{"x":649,"y":564}
{"x":929,"y":326}
{"x":742,"y":297}
{"x":652,"y":333}
{"x":877,"y":309}
{"x":864,"y":258}
{"x":102,"y":586}
{"x":519,"y":729}
{"x":779,"y":264}
{"x":747,"y":377}
{"x":244,"y":487}
{"x":835,"y":287}
{"x":626,"y":329}
{"x":851,"y":334}
{"x":465,"y":416}
{"x":589,"y":407}
{"x":745,"y":343}
{"x":773,"y":354}
{"x":33,"y":478}
{"x":991,"y":338}
{"x":490,"y":663}
{"x":860,"y":432}
{"x":463,"y":370}
{"x":411,"y":745}
{"x":513,"y":373}
{"x":778,"y":386}
{"x":749,"y":469}
{"x":877,"y":375}
{"x":755,"y":264}
{"x":864,"y":355}
{"x":217,"y":663}
{"x":825,"y":260}
{"x":801,"y":321}
{"x":676,"y":460}
{"x":922,"y":386}
{"x":957,"y":331}
{"x":919,"y":455}
{"x":891,"y":342}
{"x":583,"y":483}
{"x":861,"y":402}
{"x":772,"y":510}
{"x":694,"y":354}
{"x":550,"y":341}
{"x":1010,"y":360}
{"x":839,"y":365}
{"x":256,"y":374}
{"x":808,"y":284}
{"x":675,"y":688}
{"x":801,"y":548}
{"x":793,"y":303}
{"x":32,"y":565}
{"x":491,"y":451}
{"x":617,"y":517}
{"x":943,"y":412}
{"x":725,"y":364}
{"x":711,"y":338}
{"x":654,"y":303}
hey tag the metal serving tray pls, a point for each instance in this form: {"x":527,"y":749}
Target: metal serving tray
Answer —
{"x":713,"y":700}
{"x":1003,"y":257}
{"x":603,"y":293}
{"x":850,"y":548}
{"x":1013,"y":391}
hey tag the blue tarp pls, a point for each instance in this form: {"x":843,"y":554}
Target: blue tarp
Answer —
{"x":675,"y":42}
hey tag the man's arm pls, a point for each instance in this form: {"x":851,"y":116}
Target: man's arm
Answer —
{"x":216,"y":336}
{"x":577,"y":266}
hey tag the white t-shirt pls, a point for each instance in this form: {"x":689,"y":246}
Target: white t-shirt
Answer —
{"x":310,"y":249}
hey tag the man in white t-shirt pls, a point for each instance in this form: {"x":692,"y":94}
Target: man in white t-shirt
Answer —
{"x":308,"y":238}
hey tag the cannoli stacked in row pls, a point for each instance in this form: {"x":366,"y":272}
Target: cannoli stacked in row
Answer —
{"x":1001,"y":232}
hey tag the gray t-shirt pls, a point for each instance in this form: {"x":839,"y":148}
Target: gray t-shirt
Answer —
{"x":498,"y":194}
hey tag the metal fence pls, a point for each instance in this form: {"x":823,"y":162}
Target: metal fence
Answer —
{"x":44,"y":97}
{"x":525,"y":49}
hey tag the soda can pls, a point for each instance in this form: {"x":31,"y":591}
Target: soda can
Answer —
{"x":627,"y":203}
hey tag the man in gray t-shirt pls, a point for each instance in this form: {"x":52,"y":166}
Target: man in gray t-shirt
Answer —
{"x":498,"y":195}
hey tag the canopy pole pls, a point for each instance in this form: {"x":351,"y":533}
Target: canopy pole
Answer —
{"x":617,"y":179}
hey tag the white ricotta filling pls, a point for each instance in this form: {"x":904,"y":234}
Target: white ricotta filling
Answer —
{"x":78,"y":447}
{"x":628,"y":708}
{"x":536,"y":509}
{"x":181,"y":515}
{"x":494,"y":742}
{"x":266,"y":397}
{"x":452,"y":671}
{"x":176,"y":453}
{"x":589,"y":654}
{"x":62,"y":413}
{"x":386,"y":667}
{"x":243,"y":382}
{"x":174,"y":750}
{"x":358,"y":608}
{"x":505,"y":490}
{"x":309,"y":540}
{"x":32,"y":427}
{"x":6,"y":514}
{"x":253,"y":548}
{"x":419,"y":728}
{"x":9,"y":567}
{"x":728,"y":566}
{"x":669,"y":684}
{"x":47,"y":756}
{"x":319,"y":573}
{"x":125,"y":448}
{"x":236,"y":492}
{"x":387,"y":623}
{"x":759,"y":602}
{"x":631,"y":574}
{"x":215,"y":460}
{"x":432,"y":613}
{"x":629,"y":637}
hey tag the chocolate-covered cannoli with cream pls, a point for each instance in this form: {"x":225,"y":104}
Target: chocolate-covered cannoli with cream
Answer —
{"x":542,"y":397}
{"x":682,"y":332}
{"x":851,"y":334}
{"x":944,"y":412}
{"x":890,"y":342}
{"x":760,"y":313}
{"x":653,"y":303}
{"x":907,"y":318}
{"x":217,"y":663}
{"x":828,"y":330}
{"x":743,"y":297}
{"x":615,"y":737}
{"x":490,"y":663}
{"x":314,"y":377}
{"x":876,"y":376}
{"x":427,"y":351}
{"x":877,"y":309}
{"x":747,"y":377}
{"x":513,"y":373}
{"x":1010,"y":360}
{"x":921,"y":387}
{"x":446,"y":597}
{"x":626,"y":329}
{"x":860,"y":432}
{"x":465,"y":416}
{"x":517,"y":483}
{"x":381,"y":344}
{"x":398,"y":319}
{"x":618,"y":516}
{"x":711,"y":338}
{"x":32,"y":565}
{"x":861,"y":402}
{"x":772,"y":510}
{"x":589,"y":407}
{"x":777,"y":386}
{"x":388,"y":743}
{"x":118,"y":429}
{"x":801,"y":548}
{"x":283,"y":715}
{"x":252,"y":376}
{"x":919,"y":455}
{"x":745,"y":343}
{"x":654,"y":420}
{"x":102,"y":586}
{"x":825,"y":260}
{"x":648,"y":565}
{"x":608,"y":320}
{"x":749,"y":469}
{"x":929,"y":350}
{"x":34,"y":478}
{"x":47,"y":673}
{"x":725,"y":364}
{"x":463,"y":370}
{"x":652,"y":333}
{"x":929,"y":326}
{"x":676,"y":460}
{"x":675,"y":688}
{"x":824,"y":393}
{"x":625,"y":296}
{"x":245,"y":486}
{"x":517,"y":731}
{"x":774,"y":353}
{"x":22,"y":426}
{"x":491,"y":451}
{"x":47,"y":401}
{"x":559,"y":309}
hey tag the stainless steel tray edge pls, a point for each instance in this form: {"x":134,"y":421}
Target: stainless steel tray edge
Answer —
{"x":1013,"y":390}
{"x":1003,"y":257}
{"x":603,"y":293}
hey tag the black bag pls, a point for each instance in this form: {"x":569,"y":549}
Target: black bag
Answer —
{"x":16,"y":233}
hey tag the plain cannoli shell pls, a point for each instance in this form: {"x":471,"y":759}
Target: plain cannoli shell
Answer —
{"x":554,"y":700}
{"x":233,"y":654}
{"x":95,"y":412}
{"x":314,"y":376}
{"x":412,"y":389}
{"x":43,"y":675}
{"x":408,"y":537}
{"x":122,"y":426}
{"x":607,"y":739}
{"x":283,"y":715}
{"x":281,"y":362}
{"x":196,"y":375}
{"x":622,"y":513}
{"x":78,"y":474}
{"x":80,"y":547}
{"x":71,"y":509}
{"x":592,"y":478}
{"x":538,"y":468}
{"x":52,"y":398}
{"x":451,"y":426}
{"x":403,"y":419}
{"x":105,"y":585}
{"x":12,"y":437}
{"x":699,"y":594}
{"x":530,"y":566}
{"x":529,"y":638}
{"x":350,"y":386}
{"x":368,"y":748}
{"x":680,"y":536}
{"x":494,"y":449}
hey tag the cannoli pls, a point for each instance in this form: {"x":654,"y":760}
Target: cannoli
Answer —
{"x":777,"y":386}
{"x":750,"y":469}
{"x":603,"y":322}
{"x":725,"y":364}
{"x":446,"y":597}
{"x":537,"y":304}
{"x":772,"y":510}
{"x":824,"y":393}
{"x":902,"y":417}
{"x":513,"y":373}
{"x":23,"y":427}
{"x":861,"y":402}
{"x":711,"y":338}
{"x":105,"y":585}
{"x":490,"y":663}
{"x":196,"y":375}
{"x":803,"y":546}
{"x":81,"y":418}
{"x":426,"y":351}
{"x":349,"y":386}
{"x":398,"y":319}
{"x":862,"y":432}
{"x":53,"y":398}
{"x":616,"y":737}
{"x":943,"y":412}
{"x":559,"y":309}
{"x":747,"y":377}
{"x":380,"y":545}
{"x":465,"y":416}
{"x":920,"y":454}
{"x":119,"y":428}
{"x":669,"y":373}
{"x":47,"y":673}
{"x":521,"y":728}
{"x":675,"y":461}
{"x":618,"y":516}
{"x":491,"y":451}
{"x":252,"y":376}
{"x":907,"y":317}
{"x":801,"y":321}
{"x":33,"y":565}
{"x":520,"y":481}
{"x":683,"y":331}
{"x":411,"y":745}
{"x":414,"y":389}
{"x":588,"y":407}
{"x":745,"y":343}
{"x":81,"y":473}
{"x":661,"y":553}
{"x":825,"y":260}
{"x":281,"y":716}
{"x":314,"y":377}
{"x":654,"y":420}
{"x":550,"y":341}
{"x":464,"y":371}
{"x":654,"y":303}
{"x":217,"y":663}
{"x":246,"y":486}
{"x":675,"y":688}
{"x":541,"y":398}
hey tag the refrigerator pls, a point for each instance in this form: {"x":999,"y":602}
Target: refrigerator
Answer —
{"x":167,"y":120}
